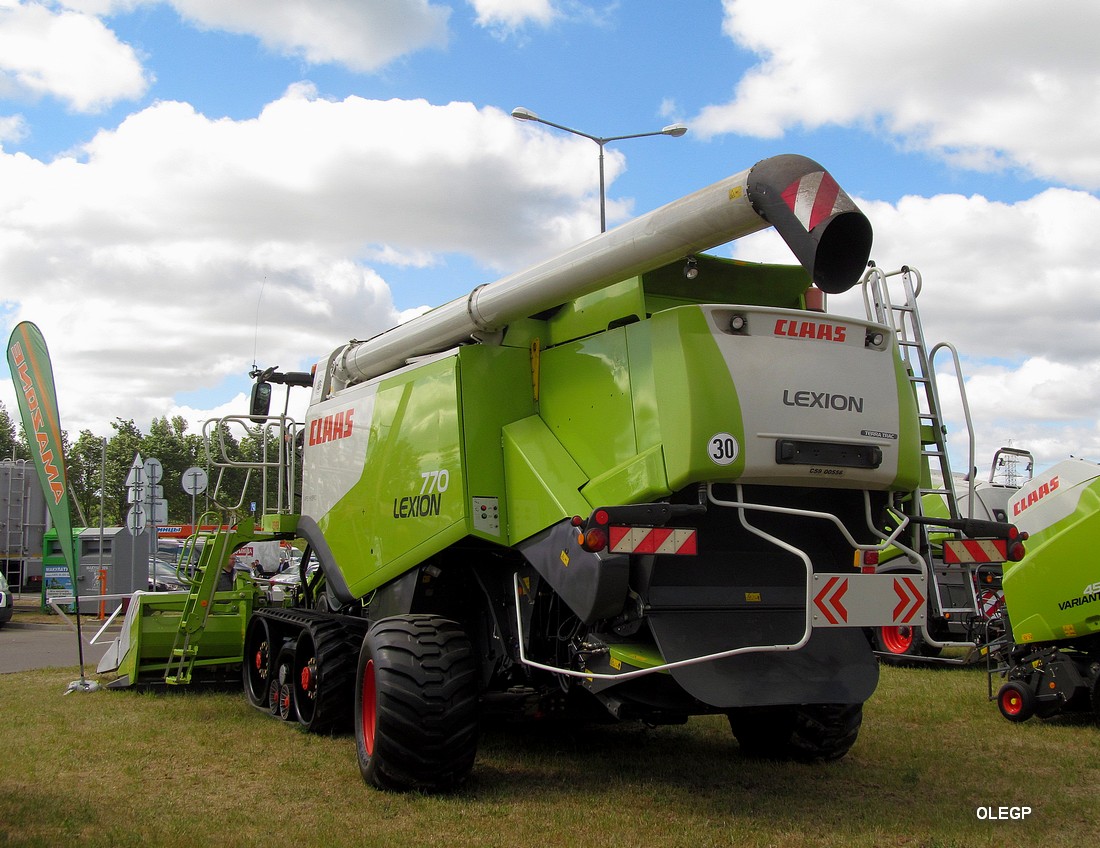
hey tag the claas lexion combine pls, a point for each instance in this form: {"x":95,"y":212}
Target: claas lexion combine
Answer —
{"x":629,"y":483}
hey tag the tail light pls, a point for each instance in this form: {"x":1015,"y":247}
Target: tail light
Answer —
{"x":1016,"y":540}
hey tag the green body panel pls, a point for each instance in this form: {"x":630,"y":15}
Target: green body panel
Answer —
{"x":497,"y":390}
{"x":594,"y":313}
{"x":912,"y":464}
{"x":585,"y":399}
{"x":412,"y":488}
{"x":542,"y":478}
{"x":1053,"y":593}
{"x":695,"y":396}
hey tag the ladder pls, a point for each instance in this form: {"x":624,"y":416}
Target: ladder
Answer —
{"x":902,"y":316}
{"x":217,"y":547}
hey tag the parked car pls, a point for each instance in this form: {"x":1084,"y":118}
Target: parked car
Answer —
{"x":163,"y":576}
{"x":288,"y":581}
{"x":7,"y":604}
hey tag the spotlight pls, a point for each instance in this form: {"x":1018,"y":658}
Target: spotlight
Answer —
{"x":691,"y":268}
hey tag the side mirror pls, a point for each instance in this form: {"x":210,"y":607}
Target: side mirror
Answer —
{"x":260,"y":404}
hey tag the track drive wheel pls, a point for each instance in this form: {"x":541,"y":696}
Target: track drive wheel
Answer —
{"x":281,"y":692}
{"x":258,"y":661}
{"x":1016,"y":701}
{"x":324,"y":677}
{"x":416,"y":704}
{"x":805,"y":733}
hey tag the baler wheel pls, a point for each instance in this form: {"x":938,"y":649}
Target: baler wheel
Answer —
{"x":1016,"y":701}
{"x":416,"y":704}
{"x":258,"y":660}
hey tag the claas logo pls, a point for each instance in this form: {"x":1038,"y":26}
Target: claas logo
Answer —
{"x":1035,"y":496}
{"x":329,"y":428}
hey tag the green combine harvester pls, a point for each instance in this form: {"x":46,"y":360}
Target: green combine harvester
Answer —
{"x":1053,"y":597}
{"x":629,"y":483}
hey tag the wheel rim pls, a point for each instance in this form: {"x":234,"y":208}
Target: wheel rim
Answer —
{"x":305,"y":679}
{"x":897,"y":640}
{"x":369,"y":717}
{"x":258,"y":665}
{"x":1012,"y":703}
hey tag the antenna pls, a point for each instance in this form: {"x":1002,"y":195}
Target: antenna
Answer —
{"x":256,"y":331}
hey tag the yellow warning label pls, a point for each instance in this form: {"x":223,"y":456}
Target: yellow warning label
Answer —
{"x":564,"y":557}
{"x":736,"y":192}
{"x":752,"y":597}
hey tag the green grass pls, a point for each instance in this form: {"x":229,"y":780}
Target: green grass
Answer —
{"x":192,"y":768}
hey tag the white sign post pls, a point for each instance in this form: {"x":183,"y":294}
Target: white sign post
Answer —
{"x":194,"y":483}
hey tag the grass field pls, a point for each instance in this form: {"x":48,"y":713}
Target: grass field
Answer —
{"x":124,"y":768}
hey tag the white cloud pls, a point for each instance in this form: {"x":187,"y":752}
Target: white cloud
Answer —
{"x":12,"y":128}
{"x":976,"y":83}
{"x":513,"y":14}
{"x":361,"y":36}
{"x":143,"y":260}
{"x":67,"y":55}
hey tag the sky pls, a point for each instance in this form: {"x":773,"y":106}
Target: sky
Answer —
{"x":190,"y":188}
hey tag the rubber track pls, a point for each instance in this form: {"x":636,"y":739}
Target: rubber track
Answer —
{"x":342,"y":636}
{"x":337,"y":651}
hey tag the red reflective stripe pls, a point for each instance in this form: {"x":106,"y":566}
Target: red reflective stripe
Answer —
{"x":912,"y":596}
{"x":812,"y":198}
{"x":652,"y":540}
{"x":830,"y":604}
{"x":974,"y":550}
{"x":825,"y":200}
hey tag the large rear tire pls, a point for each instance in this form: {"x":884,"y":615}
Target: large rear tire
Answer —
{"x":805,"y":733}
{"x":416,"y":704}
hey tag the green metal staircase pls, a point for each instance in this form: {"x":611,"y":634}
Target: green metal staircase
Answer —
{"x":204,"y":599}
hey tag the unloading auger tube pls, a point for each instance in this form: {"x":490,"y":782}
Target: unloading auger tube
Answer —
{"x":815,"y":217}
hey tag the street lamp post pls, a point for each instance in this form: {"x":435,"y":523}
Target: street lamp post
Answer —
{"x":674,"y":130}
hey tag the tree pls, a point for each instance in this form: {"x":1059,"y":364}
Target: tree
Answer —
{"x":11,"y":445}
{"x":84,"y":462}
{"x":169,"y":441}
{"x":121,"y":449}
